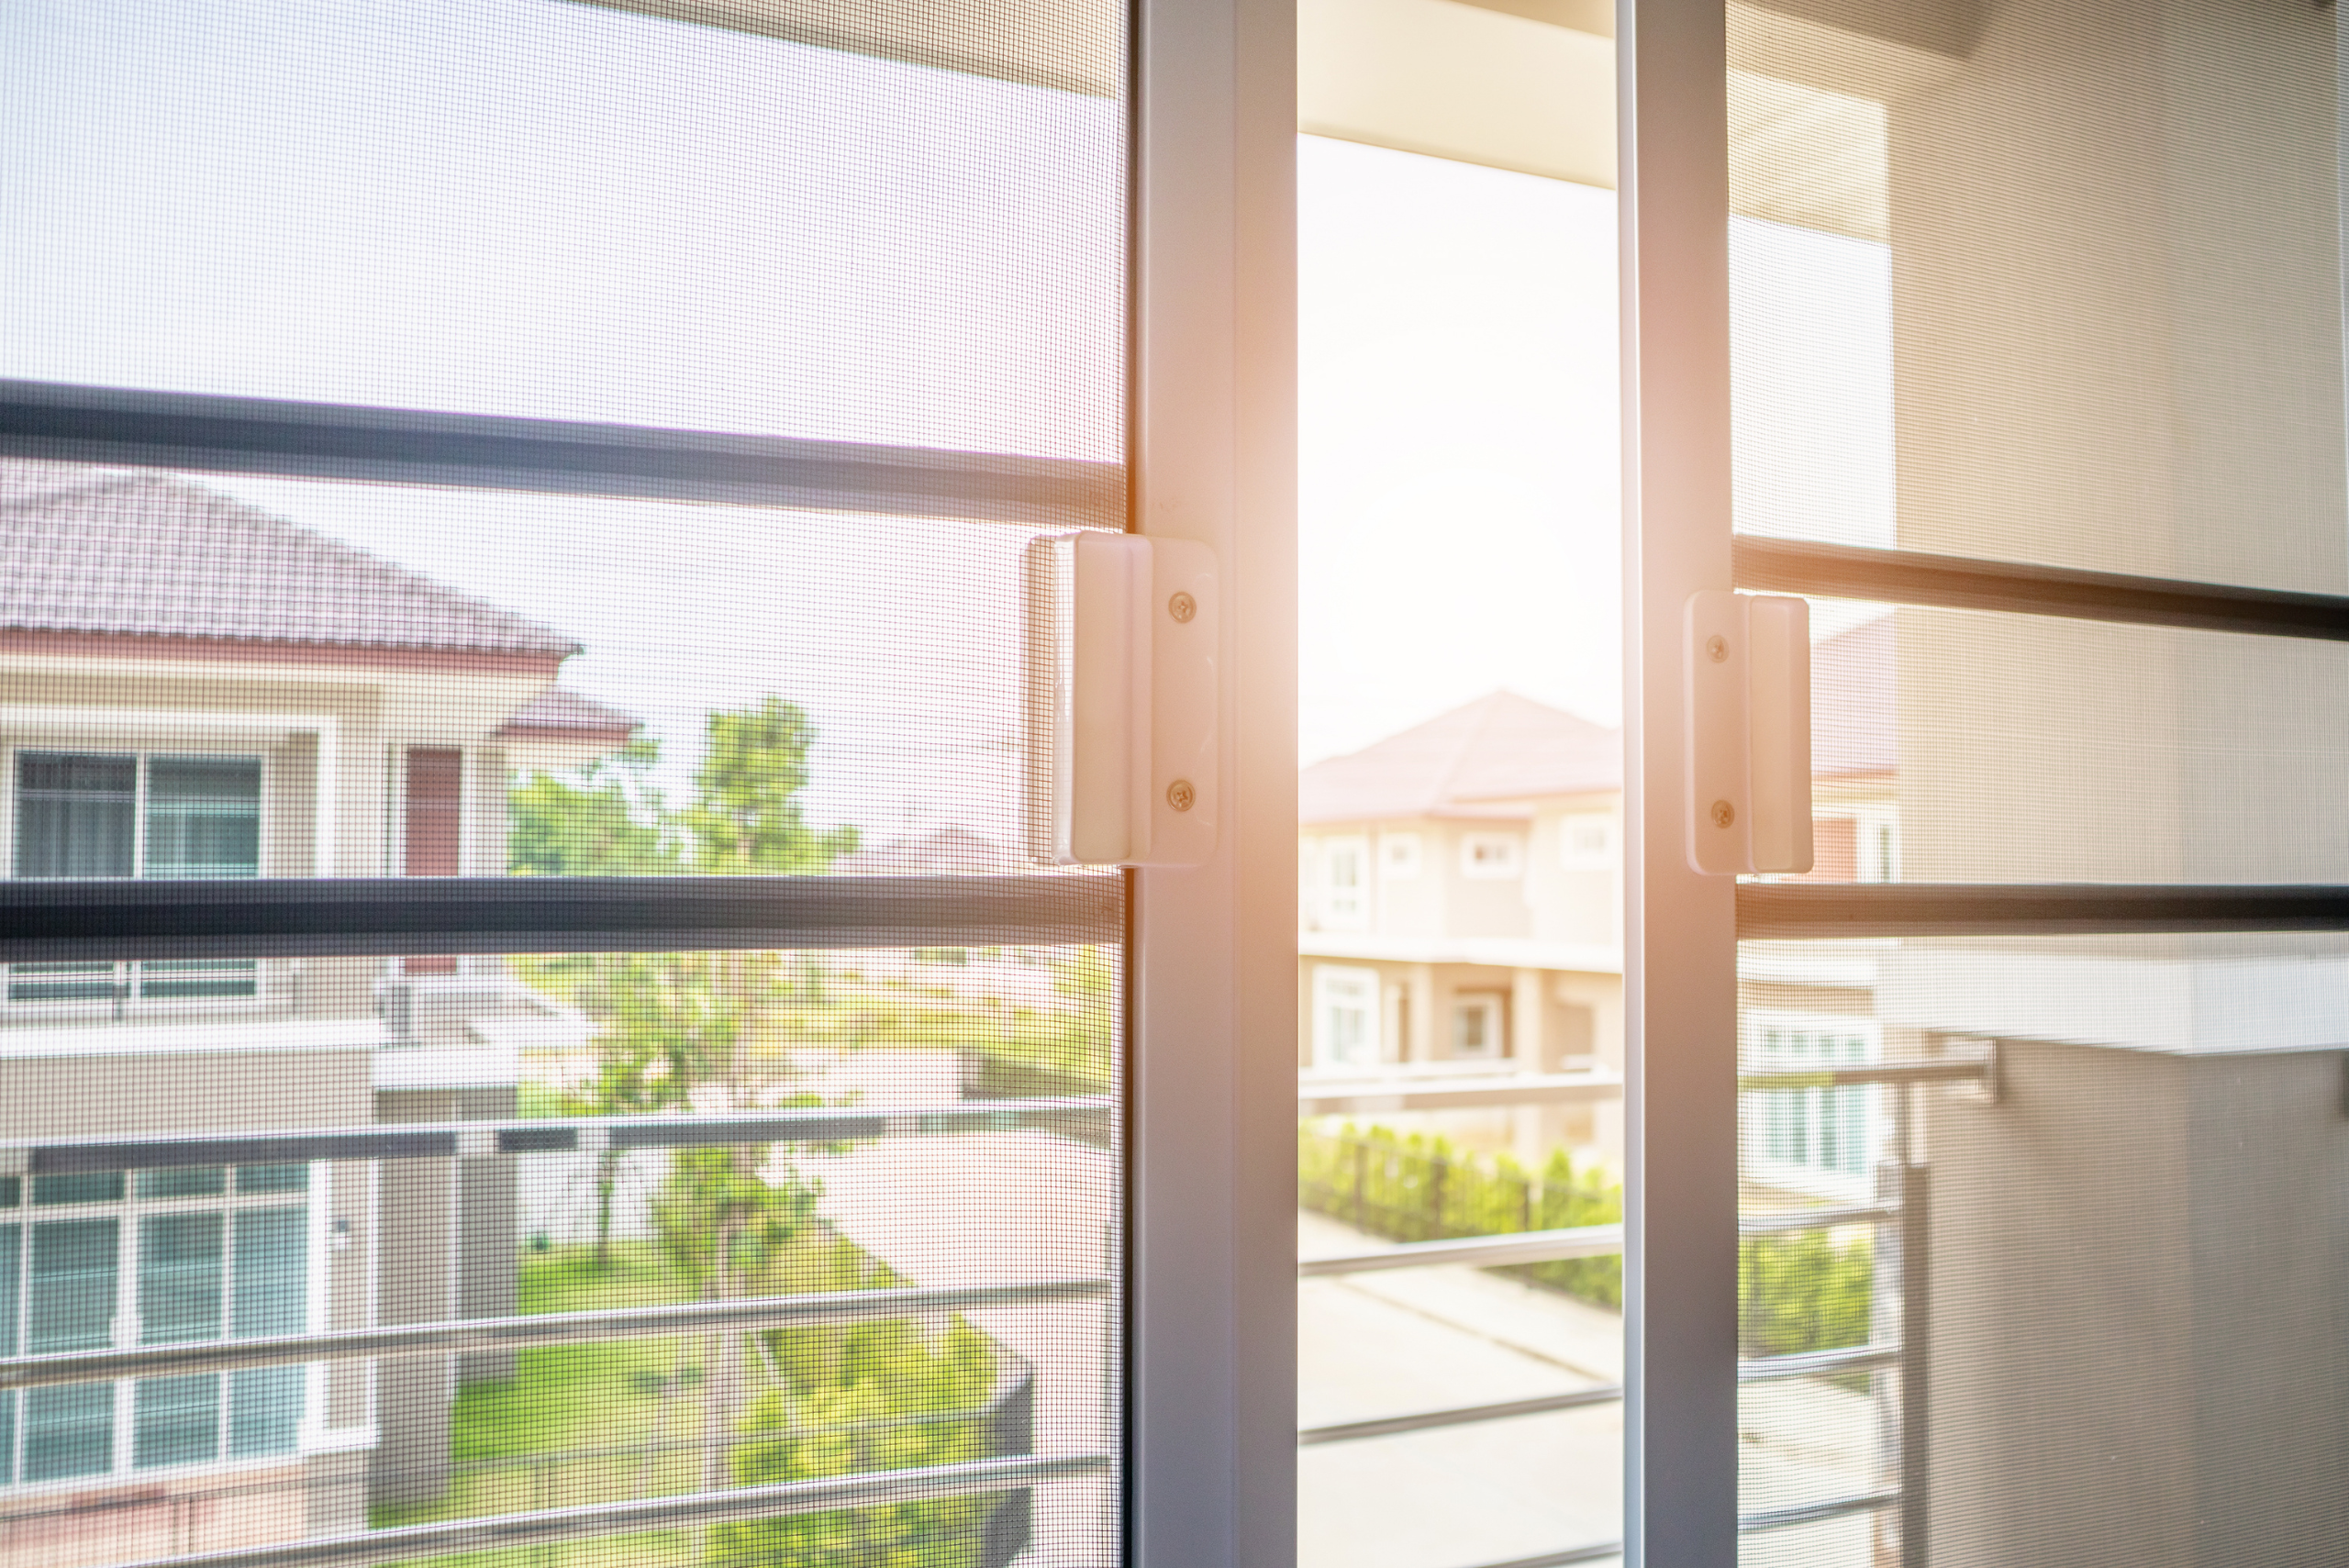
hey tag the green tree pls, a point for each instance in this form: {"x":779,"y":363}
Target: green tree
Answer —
{"x":609,"y":819}
{"x":745,"y":815}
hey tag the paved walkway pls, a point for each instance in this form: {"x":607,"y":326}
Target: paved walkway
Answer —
{"x":1422,"y":1338}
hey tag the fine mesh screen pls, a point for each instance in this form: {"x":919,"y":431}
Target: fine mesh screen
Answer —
{"x":1950,"y":746}
{"x":954,"y":1151}
{"x":896,"y":225}
{"x":579,"y":212}
{"x":2052,"y":282}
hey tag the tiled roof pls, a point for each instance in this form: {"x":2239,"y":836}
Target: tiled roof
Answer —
{"x":1499,"y":747}
{"x":558,"y":713}
{"x":125,"y":552}
{"x":1505,"y":748}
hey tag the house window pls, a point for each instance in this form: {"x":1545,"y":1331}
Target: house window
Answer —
{"x":1586,"y":841}
{"x":1346,"y":893}
{"x":1399,"y":856}
{"x":1345,"y":1016}
{"x":1813,"y":1140}
{"x":170,"y":1256}
{"x":98,"y":814}
{"x":1491,"y":855}
{"x":1476,"y":1030}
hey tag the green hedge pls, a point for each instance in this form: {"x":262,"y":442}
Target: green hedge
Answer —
{"x":1797,"y":1292}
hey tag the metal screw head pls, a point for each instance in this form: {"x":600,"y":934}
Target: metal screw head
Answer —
{"x":1723,"y":814}
{"x":1181,"y":796}
{"x":1182,"y":607}
{"x":1716,"y":648}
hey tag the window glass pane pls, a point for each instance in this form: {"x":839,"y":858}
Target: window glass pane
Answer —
{"x":93,"y":1186}
{"x":264,"y":1411}
{"x":69,"y":1431}
{"x":273,"y":1178}
{"x":271,"y":1271}
{"x":175,"y":1421}
{"x":75,"y":813}
{"x":183,"y":979}
{"x":579,"y":212}
{"x":202,"y":817}
{"x":12,"y":1191}
{"x":181,"y":1264}
{"x":64,"y":982}
{"x":7,"y":1436}
{"x":11,"y":1248}
{"x":72,"y":1286}
{"x":184,"y":1181}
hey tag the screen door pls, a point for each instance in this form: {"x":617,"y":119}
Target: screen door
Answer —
{"x":527,"y":1033}
{"x":2034,"y":370}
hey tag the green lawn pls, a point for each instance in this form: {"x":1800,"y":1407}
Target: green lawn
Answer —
{"x":624,"y":1419}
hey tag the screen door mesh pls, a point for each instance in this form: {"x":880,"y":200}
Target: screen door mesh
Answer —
{"x":2040,"y":1259}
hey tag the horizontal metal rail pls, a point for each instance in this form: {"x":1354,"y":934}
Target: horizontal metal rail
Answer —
{"x":1598,"y":1551}
{"x":426,"y":1141}
{"x":1458,"y":1416}
{"x":1811,"y":1512}
{"x":1925,"y":1070}
{"x":250,"y":435}
{"x":394,"y":917}
{"x":1815,"y":1363}
{"x":1815,"y":1219}
{"x":536,"y":1329}
{"x":1374,"y":1097}
{"x":1522,"y":1247}
{"x":970,"y":1478}
{"x":1971,"y":582}
{"x":1800,"y":911}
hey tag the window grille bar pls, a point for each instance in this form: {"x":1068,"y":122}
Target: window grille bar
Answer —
{"x":1811,"y":1512}
{"x":1933,"y":1070}
{"x":1522,"y":1247}
{"x":322,"y":440}
{"x":969,"y":1478}
{"x":1374,"y":1098}
{"x":393,"y":916}
{"x":1598,"y":1551}
{"x":537,"y":1329}
{"x":1811,"y":1363}
{"x":1967,"y":583}
{"x":1424,"y":1420}
{"x":1779,"y":910}
{"x":414,"y":1141}
{"x":1815,"y":1219}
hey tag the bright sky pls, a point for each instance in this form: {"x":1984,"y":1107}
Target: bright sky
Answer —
{"x":517,"y":207}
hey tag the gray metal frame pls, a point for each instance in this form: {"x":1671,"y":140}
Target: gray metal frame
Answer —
{"x":1213,"y":1272}
{"x":1680,"y":952}
{"x":250,"y":435}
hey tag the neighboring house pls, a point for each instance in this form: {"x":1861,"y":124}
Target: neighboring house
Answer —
{"x":1460,"y":900}
{"x":1459,"y":897}
{"x":194,"y":688}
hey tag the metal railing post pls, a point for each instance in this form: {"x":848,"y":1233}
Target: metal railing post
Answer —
{"x":1916,"y":1298}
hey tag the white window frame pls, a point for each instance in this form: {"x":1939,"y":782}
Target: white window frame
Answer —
{"x":127,"y":982}
{"x":129,"y":1210}
{"x":1486,"y":855}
